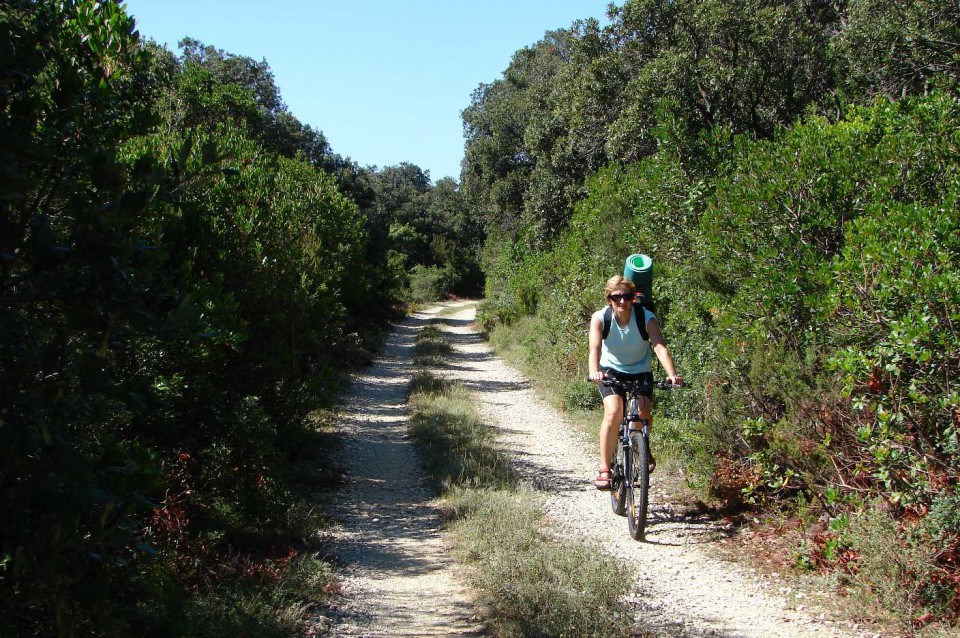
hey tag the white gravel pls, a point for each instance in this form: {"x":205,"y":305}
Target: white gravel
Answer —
{"x":400,"y":579}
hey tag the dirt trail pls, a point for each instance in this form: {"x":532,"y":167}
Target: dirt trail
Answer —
{"x":400,"y":580}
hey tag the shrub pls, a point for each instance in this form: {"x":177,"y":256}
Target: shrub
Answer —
{"x":897,"y":569}
{"x":537,"y":585}
{"x":900,"y":341}
{"x":174,"y":302}
{"x":429,"y":283}
{"x":808,"y":287}
{"x":581,"y":395}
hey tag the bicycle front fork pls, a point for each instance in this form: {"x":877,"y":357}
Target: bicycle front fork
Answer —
{"x":626,"y":445}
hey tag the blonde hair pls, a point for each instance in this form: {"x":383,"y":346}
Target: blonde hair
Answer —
{"x":618,"y":281}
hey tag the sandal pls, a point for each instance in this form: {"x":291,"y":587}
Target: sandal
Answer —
{"x":600,"y":482}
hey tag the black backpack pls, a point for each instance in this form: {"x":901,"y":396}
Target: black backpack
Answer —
{"x":639,"y":315}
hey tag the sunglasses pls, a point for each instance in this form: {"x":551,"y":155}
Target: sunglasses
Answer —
{"x":622,"y":297}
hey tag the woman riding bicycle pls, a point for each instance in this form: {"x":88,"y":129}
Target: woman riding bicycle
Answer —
{"x":624,"y":353}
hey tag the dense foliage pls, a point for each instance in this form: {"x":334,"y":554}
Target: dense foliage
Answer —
{"x":431,"y":242}
{"x":792,"y":169}
{"x":186,"y":271}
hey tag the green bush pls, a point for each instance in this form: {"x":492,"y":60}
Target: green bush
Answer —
{"x":582,"y":396}
{"x":537,"y":585}
{"x":899,"y":343}
{"x":429,"y":283}
{"x":807,"y":285}
{"x":812,"y":241}
{"x":174,"y":304}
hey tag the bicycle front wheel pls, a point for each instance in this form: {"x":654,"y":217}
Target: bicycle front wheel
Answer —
{"x":618,"y":486}
{"x":637,"y":491}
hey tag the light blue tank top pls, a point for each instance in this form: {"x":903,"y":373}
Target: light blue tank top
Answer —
{"x":624,"y":350}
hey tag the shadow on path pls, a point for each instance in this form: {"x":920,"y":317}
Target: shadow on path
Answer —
{"x":504,"y":395}
{"x":389,"y":535}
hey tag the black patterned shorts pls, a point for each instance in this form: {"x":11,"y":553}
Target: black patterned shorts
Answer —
{"x":647,"y":377}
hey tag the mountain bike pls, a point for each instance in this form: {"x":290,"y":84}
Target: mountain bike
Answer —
{"x":630,"y":465}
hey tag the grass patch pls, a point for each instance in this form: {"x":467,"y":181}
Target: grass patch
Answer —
{"x":514,"y":344}
{"x":430,"y":349}
{"x":456,"y":448}
{"x":898,"y":578}
{"x":534,"y":584}
{"x":531,"y":583}
{"x":449,"y":312}
{"x":265,"y":600}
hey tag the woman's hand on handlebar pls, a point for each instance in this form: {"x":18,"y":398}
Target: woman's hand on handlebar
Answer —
{"x":675,"y":381}
{"x":596,"y":377}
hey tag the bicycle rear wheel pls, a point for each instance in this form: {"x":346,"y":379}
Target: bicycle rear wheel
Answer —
{"x":637,"y":492}
{"x":618,"y":487}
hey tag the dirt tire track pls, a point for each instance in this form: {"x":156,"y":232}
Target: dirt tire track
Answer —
{"x":398,"y":578}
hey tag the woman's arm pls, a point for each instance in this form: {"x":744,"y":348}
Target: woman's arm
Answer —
{"x":663,"y":352}
{"x":596,"y":338}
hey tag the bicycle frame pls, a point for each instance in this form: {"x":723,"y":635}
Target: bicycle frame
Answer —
{"x":631,"y":415}
{"x":623,"y":481}
{"x":629,"y":476}
{"x":630,"y":466}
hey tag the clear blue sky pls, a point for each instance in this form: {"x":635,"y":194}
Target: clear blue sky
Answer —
{"x":385,"y":80}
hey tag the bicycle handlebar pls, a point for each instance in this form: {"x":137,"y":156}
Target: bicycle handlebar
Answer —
{"x":664,"y":385}
{"x":633,"y":384}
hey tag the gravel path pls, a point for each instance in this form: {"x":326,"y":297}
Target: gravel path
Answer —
{"x":400,"y":581}
{"x":684,"y":590}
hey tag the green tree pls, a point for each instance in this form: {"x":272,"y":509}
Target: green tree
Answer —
{"x":897,"y":49}
{"x":173,"y":300}
{"x":238,"y":70}
{"x":745,"y":66}
{"x":248,"y":92}
{"x":427,"y":228}
{"x":458,"y":238}
{"x":72,"y":92}
{"x":510,"y":166}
